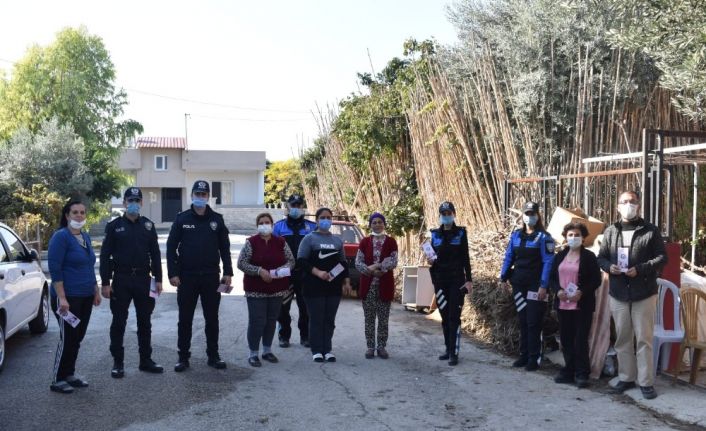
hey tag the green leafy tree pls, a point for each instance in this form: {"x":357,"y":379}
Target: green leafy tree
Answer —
{"x":72,"y":79}
{"x":374,"y":123}
{"x":53,"y":157}
{"x":673,"y":34}
{"x":282,"y":179}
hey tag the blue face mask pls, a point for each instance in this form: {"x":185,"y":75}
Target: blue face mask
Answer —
{"x":133,"y":208}
{"x":324,"y":224}
{"x":199,"y":202}
{"x":447,"y":220}
{"x":296,"y":212}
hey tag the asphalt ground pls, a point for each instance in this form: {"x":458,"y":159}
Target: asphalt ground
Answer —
{"x":412,"y":390}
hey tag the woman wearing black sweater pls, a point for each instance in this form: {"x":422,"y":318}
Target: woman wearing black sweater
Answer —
{"x":574,"y":277}
{"x":325,"y":278}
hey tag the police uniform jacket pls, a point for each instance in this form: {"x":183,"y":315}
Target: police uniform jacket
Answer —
{"x":130,"y":248}
{"x":293,"y":231}
{"x":452,"y":258}
{"x":528,"y":259}
{"x":197,"y":243}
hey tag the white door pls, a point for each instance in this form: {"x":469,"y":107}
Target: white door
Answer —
{"x":227,"y":193}
{"x":22,"y":280}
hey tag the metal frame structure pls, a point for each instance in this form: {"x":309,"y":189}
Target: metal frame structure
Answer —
{"x":656,"y":176}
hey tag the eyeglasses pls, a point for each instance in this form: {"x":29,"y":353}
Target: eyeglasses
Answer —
{"x":134,"y":200}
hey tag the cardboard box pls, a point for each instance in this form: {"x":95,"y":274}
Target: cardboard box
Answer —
{"x":562,"y":217}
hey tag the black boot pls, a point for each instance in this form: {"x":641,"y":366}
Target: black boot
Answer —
{"x":182,"y":365}
{"x":118,"y":370}
{"x":532,"y":364}
{"x":521,"y":362}
{"x":216,"y":362}
{"x":149,"y":366}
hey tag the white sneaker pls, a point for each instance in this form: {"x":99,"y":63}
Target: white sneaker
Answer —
{"x":330,"y":357}
{"x":318,"y":357}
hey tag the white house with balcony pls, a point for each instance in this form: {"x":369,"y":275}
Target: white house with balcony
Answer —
{"x":165,"y":170}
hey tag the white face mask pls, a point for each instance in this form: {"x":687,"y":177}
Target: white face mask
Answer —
{"x":574,"y":242}
{"x":628,"y":211}
{"x":530,"y":220}
{"x":264,"y":229}
{"x":76,"y":224}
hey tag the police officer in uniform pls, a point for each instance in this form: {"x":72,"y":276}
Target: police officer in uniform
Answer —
{"x":197,"y":241}
{"x":293,"y":229}
{"x":451,"y":276}
{"x":527,"y":265}
{"x":129,"y":254}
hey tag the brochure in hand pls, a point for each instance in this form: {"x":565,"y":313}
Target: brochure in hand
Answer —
{"x":534,"y":296}
{"x":224,"y":288}
{"x":623,"y":258}
{"x":69,"y":317}
{"x":335,"y":272}
{"x":153,"y":289}
{"x":280,"y":272}
{"x":570,"y":290}
{"x":429,"y":251}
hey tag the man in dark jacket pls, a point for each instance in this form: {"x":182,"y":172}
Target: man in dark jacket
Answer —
{"x":197,"y":241}
{"x":129,"y":254}
{"x":633,"y":253}
{"x":293,"y":229}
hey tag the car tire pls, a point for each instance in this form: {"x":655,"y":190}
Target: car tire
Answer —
{"x":40,"y":323}
{"x":2,"y":346}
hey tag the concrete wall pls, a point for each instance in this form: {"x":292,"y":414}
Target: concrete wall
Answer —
{"x":152,"y":203}
{"x":209,"y":161}
{"x":243,"y":219}
{"x":130,"y":160}
{"x":172,"y":177}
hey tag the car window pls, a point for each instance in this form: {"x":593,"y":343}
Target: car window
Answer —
{"x":15,"y":247}
{"x":348,"y":234}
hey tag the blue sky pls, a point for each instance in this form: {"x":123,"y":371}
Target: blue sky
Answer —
{"x":278,"y":58}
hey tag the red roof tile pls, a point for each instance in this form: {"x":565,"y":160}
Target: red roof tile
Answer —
{"x":160,"y":142}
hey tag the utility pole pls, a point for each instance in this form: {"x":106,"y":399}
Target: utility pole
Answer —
{"x":186,"y":131}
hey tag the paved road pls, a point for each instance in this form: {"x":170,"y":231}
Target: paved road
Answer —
{"x":411,"y":391}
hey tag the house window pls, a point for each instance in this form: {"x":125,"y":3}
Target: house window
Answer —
{"x":160,"y":163}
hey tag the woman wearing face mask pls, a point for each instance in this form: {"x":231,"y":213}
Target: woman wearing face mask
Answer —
{"x":376,"y":258}
{"x":261,"y":255}
{"x":527,"y":264}
{"x":451,"y":275}
{"x":320,"y":258}
{"x":74,"y":289}
{"x":575,"y":276}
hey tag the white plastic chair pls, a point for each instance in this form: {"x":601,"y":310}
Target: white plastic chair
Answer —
{"x":661,"y":335}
